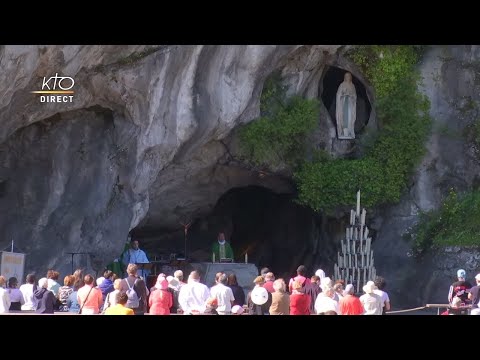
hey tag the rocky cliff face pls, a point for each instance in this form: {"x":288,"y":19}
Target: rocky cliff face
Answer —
{"x":139,"y":142}
{"x":451,"y":80}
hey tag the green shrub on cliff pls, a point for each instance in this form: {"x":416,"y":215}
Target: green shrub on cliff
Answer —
{"x":280,"y":135}
{"x":455,"y":223}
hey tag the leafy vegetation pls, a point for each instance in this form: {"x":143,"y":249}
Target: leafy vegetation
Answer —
{"x":279,"y":135}
{"x":455,"y":223}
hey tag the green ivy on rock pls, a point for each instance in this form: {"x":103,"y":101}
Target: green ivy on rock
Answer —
{"x":455,"y":223}
{"x":280,"y":135}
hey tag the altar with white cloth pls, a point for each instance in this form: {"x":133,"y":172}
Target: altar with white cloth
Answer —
{"x":245,"y":273}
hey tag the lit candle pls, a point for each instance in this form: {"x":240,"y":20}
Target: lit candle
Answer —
{"x":358,"y":203}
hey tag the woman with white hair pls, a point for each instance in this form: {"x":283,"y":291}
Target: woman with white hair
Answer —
{"x":325,"y":302}
{"x":45,"y":298}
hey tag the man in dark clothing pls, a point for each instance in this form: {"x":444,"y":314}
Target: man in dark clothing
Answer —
{"x":45,"y":298}
{"x":459,"y":288}
{"x":313,"y":289}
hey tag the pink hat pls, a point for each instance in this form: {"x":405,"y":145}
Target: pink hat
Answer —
{"x":160,"y":280}
{"x":164,"y":284}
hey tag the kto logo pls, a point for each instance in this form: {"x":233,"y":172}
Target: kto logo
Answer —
{"x":56,"y":89}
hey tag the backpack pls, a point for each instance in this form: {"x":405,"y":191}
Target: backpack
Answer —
{"x":133,"y":301}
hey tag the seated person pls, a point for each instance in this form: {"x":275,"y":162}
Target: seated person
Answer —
{"x":221,"y":248}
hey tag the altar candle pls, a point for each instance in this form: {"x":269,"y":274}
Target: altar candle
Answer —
{"x":246,"y":258}
{"x":358,"y":203}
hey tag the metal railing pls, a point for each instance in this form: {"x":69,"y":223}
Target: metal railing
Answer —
{"x":433,"y":306}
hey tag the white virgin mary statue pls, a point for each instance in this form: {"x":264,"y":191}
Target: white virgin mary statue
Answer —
{"x":346,"y":110}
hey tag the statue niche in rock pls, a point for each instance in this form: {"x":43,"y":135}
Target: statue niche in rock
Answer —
{"x":346,"y":108}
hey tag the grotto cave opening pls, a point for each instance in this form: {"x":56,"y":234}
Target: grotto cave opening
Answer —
{"x":271,"y":228}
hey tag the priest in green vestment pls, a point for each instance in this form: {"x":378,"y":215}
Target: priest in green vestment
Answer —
{"x":221,"y":249}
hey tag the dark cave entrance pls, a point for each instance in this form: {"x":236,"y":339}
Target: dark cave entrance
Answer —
{"x":273,"y":230}
{"x":270,"y":227}
{"x":332,"y":78}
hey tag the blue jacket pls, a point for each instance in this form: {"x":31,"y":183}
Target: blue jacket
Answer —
{"x":106,"y":287}
{"x":72,"y":302}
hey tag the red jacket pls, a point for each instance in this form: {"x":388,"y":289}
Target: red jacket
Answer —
{"x":300,"y":304}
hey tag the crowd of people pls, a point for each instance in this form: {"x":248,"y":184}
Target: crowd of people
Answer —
{"x":109,"y":295}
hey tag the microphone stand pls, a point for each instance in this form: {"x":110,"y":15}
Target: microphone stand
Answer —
{"x":76,"y":253}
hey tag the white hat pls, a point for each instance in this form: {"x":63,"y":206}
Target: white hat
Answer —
{"x":100,"y":280}
{"x":320,"y":273}
{"x":259,"y":295}
{"x":348,"y":288}
{"x":477,"y":277}
{"x":326,"y":283}
{"x":369,"y":287}
{"x":173,"y":281}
